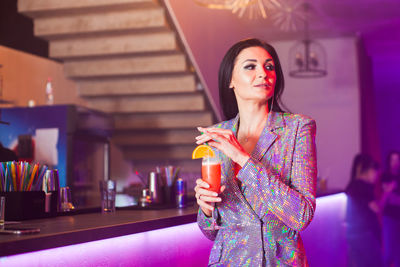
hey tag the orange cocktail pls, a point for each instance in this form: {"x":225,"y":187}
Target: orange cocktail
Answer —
{"x":211,"y":173}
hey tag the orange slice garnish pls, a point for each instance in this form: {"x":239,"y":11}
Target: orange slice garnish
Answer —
{"x":202,"y":151}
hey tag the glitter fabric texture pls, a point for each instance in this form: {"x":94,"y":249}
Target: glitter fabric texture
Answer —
{"x":276,"y":199}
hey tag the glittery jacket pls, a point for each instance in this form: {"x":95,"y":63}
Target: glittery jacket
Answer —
{"x":275,"y":201}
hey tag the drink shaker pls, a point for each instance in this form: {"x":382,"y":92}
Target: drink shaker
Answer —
{"x":155,"y":187}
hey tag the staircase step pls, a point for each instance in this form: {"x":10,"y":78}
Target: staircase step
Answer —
{"x":155,"y":138}
{"x":139,"y":85}
{"x":99,"y":22}
{"x":127,"y":65}
{"x":40,"y":8}
{"x":162,"y":120}
{"x":159,"y":153}
{"x":148,"y":103}
{"x":112,"y":45}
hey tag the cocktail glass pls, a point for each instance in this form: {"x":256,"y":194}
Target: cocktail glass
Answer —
{"x":211,"y":174}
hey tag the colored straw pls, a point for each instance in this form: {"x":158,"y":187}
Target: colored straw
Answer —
{"x":6,"y":178}
{"x":32,"y":176}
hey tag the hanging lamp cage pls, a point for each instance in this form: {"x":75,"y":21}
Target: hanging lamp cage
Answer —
{"x":307,"y":60}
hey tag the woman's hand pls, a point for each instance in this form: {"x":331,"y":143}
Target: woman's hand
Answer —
{"x":373,"y":205}
{"x":225,"y":141}
{"x":206,"y":197}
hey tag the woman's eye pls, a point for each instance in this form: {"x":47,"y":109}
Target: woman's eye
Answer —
{"x":250,"y":67}
{"x":269,"y":67}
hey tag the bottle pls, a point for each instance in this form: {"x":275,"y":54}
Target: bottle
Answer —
{"x":49,"y":92}
{"x":145,"y":199}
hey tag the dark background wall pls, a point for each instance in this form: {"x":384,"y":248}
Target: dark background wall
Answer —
{"x":16,"y":31}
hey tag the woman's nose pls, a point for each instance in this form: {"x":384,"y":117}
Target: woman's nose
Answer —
{"x":262,"y":74}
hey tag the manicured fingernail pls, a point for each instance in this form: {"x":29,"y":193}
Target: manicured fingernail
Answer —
{"x":215,"y":194}
{"x":219,"y":199}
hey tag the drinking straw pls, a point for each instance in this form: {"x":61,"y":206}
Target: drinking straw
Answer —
{"x":14,"y":178}
{"x":18,"y":173}
{"x":6,"y":178}
{"x":17,"y":176}
{"x":27,"y":175}
{"x":39,"y":181}
{"x":1,"y":177}
{"x":175,"y":175}
{"x":23,"y":175}
{"x":9,"y":177}
{"x":32,"y":176}
{"x":167,"y":176}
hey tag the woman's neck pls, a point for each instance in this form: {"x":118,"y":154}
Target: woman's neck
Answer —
{"x":252,"y":117}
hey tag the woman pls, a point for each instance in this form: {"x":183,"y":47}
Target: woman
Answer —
{"x":362,"y":214}
{"x":269,"y":165}
{"x":391,"y":212}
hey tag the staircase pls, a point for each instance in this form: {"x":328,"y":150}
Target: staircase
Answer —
{"x":127,"y":61}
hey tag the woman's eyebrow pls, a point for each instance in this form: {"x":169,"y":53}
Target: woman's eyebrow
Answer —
{"x":251,"y":60}
{"x":254,"y":60}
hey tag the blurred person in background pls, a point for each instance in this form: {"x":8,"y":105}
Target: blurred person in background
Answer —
{"x":363,"y":214}
{"x":391,"y":211}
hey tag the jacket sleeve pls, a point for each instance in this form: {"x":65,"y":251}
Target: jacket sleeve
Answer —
{"x":203,"y":222}
{"x":293,"y":204}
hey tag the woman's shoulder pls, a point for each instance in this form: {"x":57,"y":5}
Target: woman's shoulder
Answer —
{"x":224,"y":124}
{"x":293,"y":118}
{"x":288,"y":118}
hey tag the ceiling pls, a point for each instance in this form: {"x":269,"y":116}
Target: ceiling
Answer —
{"x":338,"y":18}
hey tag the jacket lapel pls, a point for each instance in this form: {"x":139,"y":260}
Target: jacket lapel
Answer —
{"x":228,"y":169}
{"x":265,"y":141}
{"x":268,"y":136}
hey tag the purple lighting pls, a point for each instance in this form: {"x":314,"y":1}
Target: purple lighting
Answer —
{"x":182,"y":245}
{"x":185,"y":245}
{"x":325,"y":238}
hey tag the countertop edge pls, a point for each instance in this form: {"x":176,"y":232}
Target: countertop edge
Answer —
{"x":87,"y":235}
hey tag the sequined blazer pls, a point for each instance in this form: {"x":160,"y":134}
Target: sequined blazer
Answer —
{"x":263,"y":216}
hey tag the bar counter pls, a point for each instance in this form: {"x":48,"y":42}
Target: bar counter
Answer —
{"x":68,"y":230}
{"x":165,"y":238}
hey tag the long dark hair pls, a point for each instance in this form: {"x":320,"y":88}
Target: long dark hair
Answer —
{"x":227,"y":96}
{"x":362,"y":163}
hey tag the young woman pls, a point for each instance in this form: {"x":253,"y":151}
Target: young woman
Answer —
{"x":269,"y":165}
{"x":363,"y":229}
{"x":391,"y":212}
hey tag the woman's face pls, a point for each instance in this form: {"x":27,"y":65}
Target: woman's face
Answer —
{"x":253,"y":76}
{"x":372,"y":175}
{"x":395,"y":163}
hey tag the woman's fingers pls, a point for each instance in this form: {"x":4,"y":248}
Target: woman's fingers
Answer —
{"x":222,"y":189}
{"x":211,"y":137}
{"x":214,"y":130}
{"x":200,"y":182}
{"x":212,"y":133}
{"x":209,"y":199}
{"x":205,"y":197}
{"x":204,"y":206}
